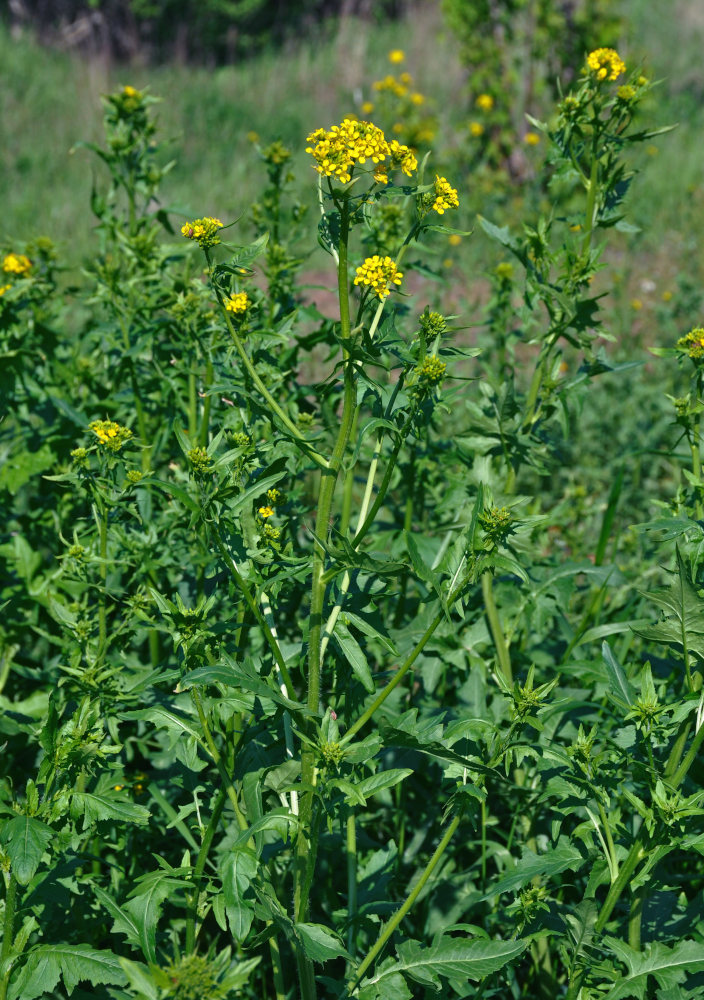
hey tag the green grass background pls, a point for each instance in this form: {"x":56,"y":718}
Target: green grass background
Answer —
{"x":51,"y":100}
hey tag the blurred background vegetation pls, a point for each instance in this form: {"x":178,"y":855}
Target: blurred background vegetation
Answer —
{"x":234,"y":75}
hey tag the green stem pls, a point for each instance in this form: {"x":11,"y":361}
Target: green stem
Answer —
{"x":198,"y":870}
{"x":635,"y":917}
{"x":207,"y":404}
{"x":492,"y":614}
{"x":277,"y":968}
{"x":406,"y":666}
{"x":298,"y":438}
{"x":217,"y":759}
{"x":103,"y":570}
{"x":407,"y":905}
{"x":351,"y":881}
{"x":8,"y":930}
{"x":192,"y":406}
{"x":590,"y":211}
{"x":305,"y":846}
{"x":609,"y":837}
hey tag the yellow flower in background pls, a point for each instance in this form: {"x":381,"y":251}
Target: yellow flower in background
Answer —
{"x":129,"y":91}
{"x":16,"y":263}
{"x":252,"y":137}
{"x":605,"y":64}
{"x":455,"y":240}
{"x":445,"y":196}
{"x":367,"y":108}
{"x":485,"y":102}
{"x":531,"y":138}
{"x":636,"y":305}
{"x":238,"y":303}
{"x":378,"y":273}
{"x":476,"y":129}
{"x":396,"y":56}
{"x":417,"y":99}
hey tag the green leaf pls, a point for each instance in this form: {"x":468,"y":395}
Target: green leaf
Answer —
{"x":683,"y":623}
{"x":352,"y":652}
{"x":145,"y":906}
{"x":564,"y":855}
{"x":318,"y":943}
{"x":238,"y":870}
{"x":74,"y":963}
{"x":25,"y":840}
{"x":452,"y":957}
{"x":139,"y":978}
{"x":123,"y":923}
{"x":618,"y":682}
{"x":669,"y":966}
{"x":241,"y":675}
{"x":381,"y":780}
{"x":97,"y":807}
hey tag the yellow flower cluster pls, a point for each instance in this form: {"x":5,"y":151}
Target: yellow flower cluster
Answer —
{"x":377,"y":273}
{"x":445,"y":196}
{"x":265,"y":512}
{"x":693,"y":343}
{"x":485,"y":102}
{"x":16,"y":263}
{"x":476,"y":129}
{"x":431,"y":371}
{"x":338,"y":150}
{"x":605,"y":64}
{"x":204,"y":231}
{"x":110,"y":434}
{"x":398,"y":87}
{"x":238,"y":303}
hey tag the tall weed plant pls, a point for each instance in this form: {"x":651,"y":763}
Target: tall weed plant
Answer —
{"x":310,"y":685}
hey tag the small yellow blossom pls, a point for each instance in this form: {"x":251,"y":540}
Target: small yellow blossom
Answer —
{"x":431,"y":371}
{"x":455,"y":240}
{"x":381,"y":175}
{"x":271,"y":533}
{"x":238,"y":303}
{"x":476,"y":129}
{"x":252,"y":137}
{"x":110,"y":434}
{"x":129,"y":91}
{"x":445,"y":196}
{"x":16,"y":263}
{"x":531,"y":138}
{"x":504,"y":270}
{"x":397,"y":128}
{"x":403,"y":157}
{"x":406,"y":78}
{"x":377,"y":273}
{"x":666,"y":295}
{"x":636,"y":305}
{"x":367,"y":107}
{"x":485,"y":102}
{"x":396,"y":56}
{"x":605,"y":64}
{"x":265,"y":512}
{"x":693,"y":343}
{"x":204,"y":231}
{"x":417,"y":98}
{"x":275,"y":497}
{"x":4,"y":288}
{"x":134,"y":476}
{"x":626,"y":93}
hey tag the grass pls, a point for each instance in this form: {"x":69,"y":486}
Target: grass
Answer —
{"x":52,"y":100}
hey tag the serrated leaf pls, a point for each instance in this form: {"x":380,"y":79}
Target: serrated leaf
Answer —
{"x":123,"y":923}
{"x":552,"y":862}
{"x":97,"y":807}
{"x":473,"y":960}
{"x":73,"y":963}
{"x":25,"y":839}
{"x":319,"y":944}
{"x":683,"y":622}
{"x":145,"y":907}
{"x":139,"y":978}
{"x":382,"y":779}
{"x":669,"y":966}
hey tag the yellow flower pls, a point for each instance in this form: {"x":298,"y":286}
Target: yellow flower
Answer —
{"x":455,"y":240}
{"x":367,"y":108}
{"x":338,"y":150}
{"x":4,"y":288}
{"x":445,"y":196}
{"x":110,"y":434}
{"x":265,"y":512}
{"x":406,"y":78}
{"x":403,"y":157}
{"x":476,"y":129}
{"x":693,"y":343}
{"x":204,"y":231}
{"x":636,"y":305}
{"x":485,"y":102}
{"x":417,"y":98}
{"x":377,"y":273}
{"x":397,"y":128}
{"x":16,"y":263}
{"x":252,"y":137}
{"x":130,"y":91}
{"x":396,"y":56}
{"x":531,"y":138}
{"x":626,"y":93}
{"x":605,"y":64}
{"x":431,"y":371}
{"x":666,"y":296}
{"x":237,"y":303}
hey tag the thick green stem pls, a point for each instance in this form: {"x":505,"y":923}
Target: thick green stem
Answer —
{"x":207,"y":404}
{"x":351,"y":881}
{"x":277,"y":968}
{"x":407,"y":905}
{"x":8,"y":930}
{"x":497,"y":633}
{"x":198,"y":870}
{"x":635,"y":917}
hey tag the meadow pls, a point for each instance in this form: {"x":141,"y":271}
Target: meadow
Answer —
{"x":352,"y":559}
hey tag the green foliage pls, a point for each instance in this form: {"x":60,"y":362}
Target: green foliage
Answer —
{"x":321,"y":673}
